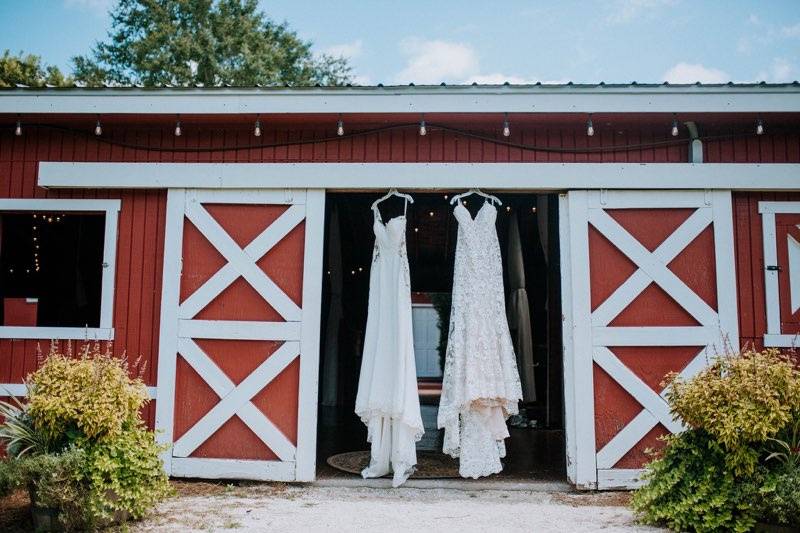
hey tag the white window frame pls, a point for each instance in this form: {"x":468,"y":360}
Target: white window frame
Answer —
{"x":110,"y":208}
{"x":774,"y":338}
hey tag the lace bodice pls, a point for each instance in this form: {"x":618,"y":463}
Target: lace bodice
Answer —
{"x":481,"y":385}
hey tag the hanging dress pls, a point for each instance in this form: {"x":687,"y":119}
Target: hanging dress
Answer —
{"x":388,"y":400}
{"x":481,"y":385}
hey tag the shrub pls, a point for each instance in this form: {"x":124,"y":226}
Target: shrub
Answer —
{"x":742,"y":401}
{"x":54,"y":484}
{"x":9,"y":479}
{"x":780,"y":496}
{"x":92,"y":395}
{"x":125,"y":473}
{"x":20,"y":434}
{"x":691,"y":488}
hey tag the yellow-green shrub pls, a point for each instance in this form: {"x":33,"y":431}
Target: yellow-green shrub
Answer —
{"x":741,"y":401}
{"x":91,"y":394}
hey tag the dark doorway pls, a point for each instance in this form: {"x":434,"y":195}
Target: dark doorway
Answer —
{"x":536,"y":449}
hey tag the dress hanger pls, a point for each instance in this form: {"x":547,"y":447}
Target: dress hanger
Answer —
{"x":493,"y":199}
{"x":392,"y":192}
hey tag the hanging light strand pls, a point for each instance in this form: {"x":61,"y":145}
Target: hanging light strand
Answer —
{"x":589,"y":126}
{"x":674,"y":130}
{"x":178,"y":129}
{"x":98,"y":129}
{"x":257,"y":127}
{"x":423,"y":129}
{"x":506,"y":126}
{"x":340,"y":126}
{"x":759,"y":127}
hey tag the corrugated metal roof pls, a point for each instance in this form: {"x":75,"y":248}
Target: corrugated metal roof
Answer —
{"x":506,"y":85}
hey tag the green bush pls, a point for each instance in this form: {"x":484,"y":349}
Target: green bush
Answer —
{"x":125,"y":474}
{"x":691,"y":488}
{"x":780,"y":496}
{"x":9,"y":479}
{"x":742,"y":401}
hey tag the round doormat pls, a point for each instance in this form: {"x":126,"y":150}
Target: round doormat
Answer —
{"x":430,"y":465}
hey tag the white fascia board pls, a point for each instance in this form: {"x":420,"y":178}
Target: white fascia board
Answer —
{"x":535,"y":99}
{"x":365,"y":176}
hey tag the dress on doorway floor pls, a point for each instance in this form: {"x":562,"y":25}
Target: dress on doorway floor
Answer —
{"x":481,"y":385}
{"x":387,"y":400}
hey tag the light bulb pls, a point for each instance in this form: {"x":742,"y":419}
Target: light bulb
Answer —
{"x":674,"y":128}
{"x":339,"y":128}
{"x":98,"y":129}
{"x":18,"y":129}
{"x":257,"y":128}
{"x":760,"y":127}
{"x":178,"y":130}
{"x":506,"y":127}
{"x":423,"y":130}
{"x":589,"y":127}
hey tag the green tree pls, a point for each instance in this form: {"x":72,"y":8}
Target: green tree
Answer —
{"x":28,"y":70}
{"x":208,"y":42}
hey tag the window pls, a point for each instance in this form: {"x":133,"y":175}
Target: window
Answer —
{"x":57,"y":268}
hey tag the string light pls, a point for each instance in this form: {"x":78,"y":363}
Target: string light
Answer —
{"x":423,"y":130}
{"x":760,"y":127}
{"x":589,"y":126}
{"x":340,"y":126}
{"x":506,"y":126}
{"x":18,"y":129}
{"x":508,"y":209}
{"x":674,"y":126}
{"x":98,"y":129}
{"x":257,"y":128}
{"x":430,"y":213}
{"x":178,"y":130}
{"x":533,"y":209}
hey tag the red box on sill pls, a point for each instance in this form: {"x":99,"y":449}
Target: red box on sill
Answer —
{"x":20,"y":311}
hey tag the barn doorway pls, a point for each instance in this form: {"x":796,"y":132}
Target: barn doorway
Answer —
{"x":536,"y":448}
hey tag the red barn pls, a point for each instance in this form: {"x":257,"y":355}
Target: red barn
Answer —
{"x":660,"y":225}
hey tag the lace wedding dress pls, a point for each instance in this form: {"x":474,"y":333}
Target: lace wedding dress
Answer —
{"x":481,"y":385}
{"x":388,"y":400}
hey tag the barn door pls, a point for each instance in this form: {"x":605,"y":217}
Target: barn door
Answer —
{"x":238,"y":356}
{"x":649,"y":288}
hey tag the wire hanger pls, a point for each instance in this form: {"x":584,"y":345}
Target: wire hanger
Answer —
{"x":493,"y":199}
{"x":392,"y":192}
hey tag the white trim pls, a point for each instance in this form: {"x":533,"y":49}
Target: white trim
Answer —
{"x":567,"y":349}
{"x":310,"y":336}
{"x":53,"y":333}
{"x":235,"y":329}
{"x":782,"y":340}
{"x":515,"y":176}
{"x":110,"y":210}
{"x":586,"y":469}
{"x":619,"y":478}
{"x":168,"y":340}
{"x":725,"y":261}
{"x":21,"y":390}
{"x":655,"y":335}
{"x":545,"y":98}
{"x":774,"y":337}
{"x":233,"y":469}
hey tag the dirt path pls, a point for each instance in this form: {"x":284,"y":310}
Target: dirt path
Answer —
{"x":296,"y":508}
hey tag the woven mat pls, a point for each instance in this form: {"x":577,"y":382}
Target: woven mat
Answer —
{"x":430,"y":465}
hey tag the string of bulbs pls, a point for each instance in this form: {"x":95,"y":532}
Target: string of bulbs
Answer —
{"x":423,"y":129}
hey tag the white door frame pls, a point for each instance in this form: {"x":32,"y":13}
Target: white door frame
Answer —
{"x":586,"y":333}
{"x":300,"y":331}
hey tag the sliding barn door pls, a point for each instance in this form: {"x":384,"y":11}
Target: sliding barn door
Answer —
{"x":649,"y":288}
{"x":239,"y":345}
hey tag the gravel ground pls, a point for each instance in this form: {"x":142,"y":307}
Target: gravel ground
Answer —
{"x":309,"y":508}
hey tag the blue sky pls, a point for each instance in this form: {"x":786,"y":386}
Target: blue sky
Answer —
{"x":491,"y":42}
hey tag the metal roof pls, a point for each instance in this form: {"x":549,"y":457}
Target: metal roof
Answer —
{"x":600,"y":97}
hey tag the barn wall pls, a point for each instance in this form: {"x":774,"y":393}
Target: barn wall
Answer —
{"x":141,"y":222}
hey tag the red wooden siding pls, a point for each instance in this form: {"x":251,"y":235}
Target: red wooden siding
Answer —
{"x":749,"y":245}
{"x":141,"y":224}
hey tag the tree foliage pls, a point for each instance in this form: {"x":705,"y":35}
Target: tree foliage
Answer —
{"x":28,"y":69}
{"x":208,"y":42}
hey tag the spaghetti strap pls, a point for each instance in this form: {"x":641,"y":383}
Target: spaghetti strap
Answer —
{"x":405,"y":208}
{"x":377,"y":213}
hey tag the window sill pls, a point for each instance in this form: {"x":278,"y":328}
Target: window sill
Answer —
{"x":56,"y":333}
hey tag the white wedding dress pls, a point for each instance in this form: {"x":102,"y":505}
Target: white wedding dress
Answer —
{"x":388,"y":400}
{"x":481,"y":385}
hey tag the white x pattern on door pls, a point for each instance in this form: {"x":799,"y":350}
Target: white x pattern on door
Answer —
{"x":593,"y":335}
{"x":299,"y":331}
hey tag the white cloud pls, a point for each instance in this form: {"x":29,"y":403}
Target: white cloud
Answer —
{"x":693,"y":72}
{"x":98,"y":7}
{"x":434,"y":61}
{"x":346,"y":50}
{"x":781,"y":70}
{"x":792,"y":31}
{"x":622,"y":11}
{"x":359,"y":79}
